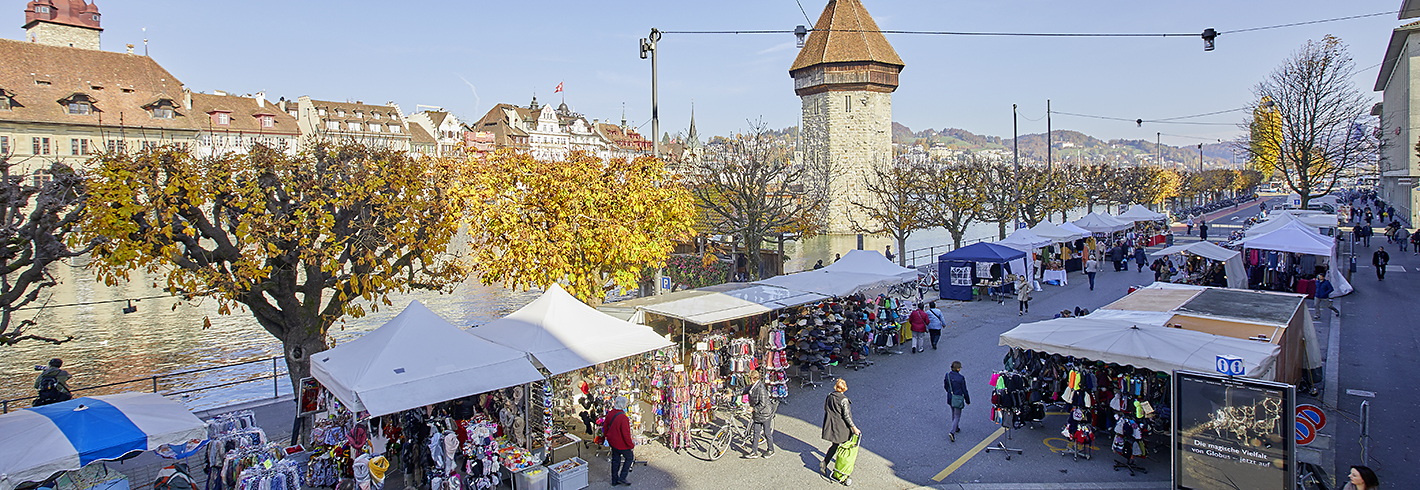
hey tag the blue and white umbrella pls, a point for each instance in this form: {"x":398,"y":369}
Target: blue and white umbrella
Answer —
{"x":36,"y":443}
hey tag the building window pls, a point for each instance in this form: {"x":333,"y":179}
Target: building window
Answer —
{"x":117,"y":146}
{"x":374,"y":128}
{"x":42,"y":177}
{"x":321,"y":112}
{"x":375,"y":115}
{"x":42,"y":9}
{"x":332,"y":125}
{"x":359,"y":115}
{"x":223,"y":118}
{"x":395,"y":128}
{"x":84,"y":146}
{"x":354,"y":126}
{"x":847,"y":103}
{"x":41,"y":146}
{"x":4,"y":145}
{"x":340,"y":112}
{"x":4,"y":101}
{"x":73,"y":146}
{"x":163,"y":111}
{"x":268,"y":121}
{"x":79,"y":107}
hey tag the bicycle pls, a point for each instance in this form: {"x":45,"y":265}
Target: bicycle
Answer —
{"x":730,"y":429}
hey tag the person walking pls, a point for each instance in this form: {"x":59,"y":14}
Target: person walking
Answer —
{"x":957,"y":397}
{"x":1116,"y":255}
{"x":838,"y":424}
{"x":1402,"y":236}
{"x":1415,"y":242}
{"x":617,"y":427}
{"x":1203,"y":230}
{"x":762,"y":418}
{"x":1140,"y":257}
{"x":1023,"y":291}
{"x":1361,"y":478}
{"x":1323,"y":297}
{"x":1380,"y":259}
{"x":52,"y":383}
{"x":1092,"y":267}
{"x":935,"y":323}
{"x":918,"y":321}
{"x":1189,"y":223}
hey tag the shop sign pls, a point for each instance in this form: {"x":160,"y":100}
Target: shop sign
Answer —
{"x":1231,"y":432}
{"x":1230,"y":365}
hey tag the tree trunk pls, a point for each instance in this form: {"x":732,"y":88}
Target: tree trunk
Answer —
{"x":956,"y":237}
{"x":298,"y":350}
{"x":1001,"y":228}
{"x":752,"y":254}
{"x":902,"y":250}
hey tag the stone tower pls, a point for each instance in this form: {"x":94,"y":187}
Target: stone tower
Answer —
{"x":68,"y":23}
{"x":845,"y":76}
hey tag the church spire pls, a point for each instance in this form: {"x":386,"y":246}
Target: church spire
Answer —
{"x":693,"y":137}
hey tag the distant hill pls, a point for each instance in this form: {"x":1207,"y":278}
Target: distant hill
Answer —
{"x":1068,"y":146}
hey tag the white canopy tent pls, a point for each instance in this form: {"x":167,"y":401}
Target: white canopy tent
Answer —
{"x":1292,"y":237}
{"x":1101,"y":223}
{"x":833,"y":284}
{"x":1231,"y":259}
{"x":1140,"y":213}
{"x":1025,"y":241}
{"x":1155,"y":348}
{"x":871,"y":262}
{"x":564,"y":334}
{"x":417,"y":359}
{"x":1058,"y":233}
{"x":1313,"y":222}
{"x":711,"y":307}
{"x":1070,"y":227}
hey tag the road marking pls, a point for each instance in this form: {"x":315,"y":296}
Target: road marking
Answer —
{"x":1064,"y":445}
{"x":969,"y":454}
{"x":1367,"y":394}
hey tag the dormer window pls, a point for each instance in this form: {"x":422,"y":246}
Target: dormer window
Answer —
{"x":375,"y":115}
{"x":374,"y":128}
{"x":221,"y":118}
{"x":359,"y":115}
{"x":80,"y":107}
{"x":354,"y":126}
{"x":4,"y":101}
{"x":395,"y":128}
{"x":340,"y":112}
{"x":163,"y":112}
{"x":321,"y":112}
{"x":268,"y":121}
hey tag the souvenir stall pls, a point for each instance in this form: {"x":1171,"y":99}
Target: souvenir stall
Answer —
{"x":1066,"y":251}
{"x":1110,"y":378}
{"x":424,"y":399}
{"x":1033,"y":245}
{"x":871,"y":262}
{"x":240,"y":456}
{"x":1289,"y":258}
{"x":1103,"y":226}
{"x":1148,"y":225}
{"x":591,"y":358}
{"x":975,"y":268}
{"x":1201,"y":263}
{"x":39,"y":443}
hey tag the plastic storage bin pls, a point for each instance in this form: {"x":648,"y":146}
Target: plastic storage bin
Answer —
{"x":534,"y":478}
{"x":569,"y":475}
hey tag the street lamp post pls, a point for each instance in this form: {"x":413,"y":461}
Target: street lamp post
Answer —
{"x":1016,"y":157}
{"x":648,"y":47}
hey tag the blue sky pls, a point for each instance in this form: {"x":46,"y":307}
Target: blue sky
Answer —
{"x":467,"y":56}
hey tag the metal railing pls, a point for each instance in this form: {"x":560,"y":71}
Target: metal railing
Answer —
{"x":275,"y":377}
{"x":930,"y":253}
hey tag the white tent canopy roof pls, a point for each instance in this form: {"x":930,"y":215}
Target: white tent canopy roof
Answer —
{"x":1045,"y":229}
{"x":1292,"y":237}
{"x":710,"y":307}
{"x":565,"y":334}
{"x":1101,"y":223}
{"x":871,"y":262}
{"x":1025,"y":240}
{"x":1140,"y":213}
{"x":1155,"y":348}
{"x":1231,"y":259}
{"x":417,"y":359}
{"x":1071,"y":227}
{"x":1313,"y":222}
{"x":833,"y":284}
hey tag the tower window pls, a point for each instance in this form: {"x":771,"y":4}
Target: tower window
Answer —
{"x":42,"y":9}
{"x":848,"y":103}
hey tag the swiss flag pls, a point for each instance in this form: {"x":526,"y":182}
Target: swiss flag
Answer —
{"x":558,"y":89}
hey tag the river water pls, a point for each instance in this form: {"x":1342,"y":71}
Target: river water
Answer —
{"x":166,"y":335}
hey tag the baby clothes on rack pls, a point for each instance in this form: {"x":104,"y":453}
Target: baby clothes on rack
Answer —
{"x":280,"y":475}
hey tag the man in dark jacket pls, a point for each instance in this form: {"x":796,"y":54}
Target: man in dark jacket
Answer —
{"x":1323,"y":297}
{"x":1380,"y":259}
{"x":762,"y":420}
{"x":617,"y":427}
{"x":1203,"y":230}
{"x":1140,"y":257}
{"x":955,"y":384}
{"x":1116,"y":255}
{"x":52,"y":383}
{"x":838,"y":424}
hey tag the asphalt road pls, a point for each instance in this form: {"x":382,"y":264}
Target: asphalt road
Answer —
{"x":901,"y":408}
{"x":1379,"y":346}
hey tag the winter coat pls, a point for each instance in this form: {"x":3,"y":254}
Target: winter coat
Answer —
{"x":1402,"y":234}
{"x":763,"y":404}
{"x":1140,"y":256}
{"x":837,"y":418}
{"x":618,"y":430}
{"x":918,"y":320}
{"x":1116,"y":254}
{"x":1092,"y":265}
{"x":935,"y":320}
{"x":1380,"y":258}
{"x":955,"y":384}
{"x":1023,"y":290}
{"x":61,"y":378}
{"x":1324,"y":289}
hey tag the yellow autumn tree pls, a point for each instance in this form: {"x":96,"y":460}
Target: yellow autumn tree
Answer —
{"x":1265,"y":136}
{"x":583,"y":221}
{"x":299,"y":242}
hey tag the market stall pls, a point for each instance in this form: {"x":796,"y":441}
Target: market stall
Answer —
{"x":1213,"y":264}
{"x":979,"y":265}
{"x":1033,"y":245}
{"x":36,"y":443}
{"x":1101,"y":224}
{"x":871,"y":262}
{"x":1290,"y":257}
{"x":1147,"y":347}
{"x":1148,"y":225}
{"x":1066,"y":252}
{"x":835,"y":284}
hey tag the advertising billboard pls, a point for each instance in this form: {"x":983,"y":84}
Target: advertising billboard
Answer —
{"x":1231,"y":432}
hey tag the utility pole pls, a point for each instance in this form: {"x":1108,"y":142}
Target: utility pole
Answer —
{"x":1159,"y":148}
{"x":1047,"y":136}
{"x":1016,"y":156}
{"x":1200,"y":158}
{"x":648,"y":47}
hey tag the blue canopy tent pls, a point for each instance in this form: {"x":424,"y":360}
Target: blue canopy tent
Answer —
{"x":957,"y":269}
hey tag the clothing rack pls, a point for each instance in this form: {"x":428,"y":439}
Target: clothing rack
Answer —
{"x":1001,"y":415}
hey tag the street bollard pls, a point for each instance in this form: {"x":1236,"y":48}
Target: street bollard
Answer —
{"x":1366,"y":432}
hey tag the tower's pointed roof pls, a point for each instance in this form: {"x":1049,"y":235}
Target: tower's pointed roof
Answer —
{"x":845,"y":33}
{"x":693,"y":137}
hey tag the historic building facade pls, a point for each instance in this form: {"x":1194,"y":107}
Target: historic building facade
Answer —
{"x":554,"y":134}
{"x":845,"y":76}
{"x":379,"y":126}
{"x":1399,"y":111}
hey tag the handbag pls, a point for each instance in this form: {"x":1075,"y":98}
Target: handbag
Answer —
{"x":955,"y":400}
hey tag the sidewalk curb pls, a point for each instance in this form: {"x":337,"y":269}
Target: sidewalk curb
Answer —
{"x":1056,"y":486}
